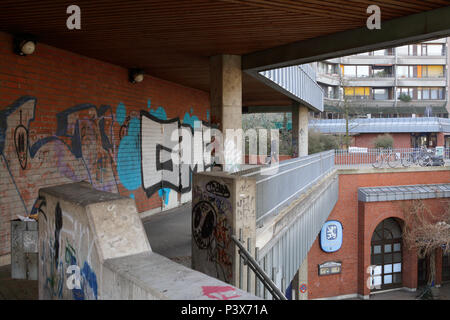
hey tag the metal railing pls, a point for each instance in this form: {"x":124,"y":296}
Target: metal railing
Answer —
{"x":284,"y":254}
{"x":289,"y":180}
{"x":247,"y":259}
{"x":298,"y":82}
{"x":354,"y":156}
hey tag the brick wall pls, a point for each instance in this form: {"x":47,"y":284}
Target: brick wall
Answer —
{"x":356,"y":216}
{"x":366,"y":140}
{"x":65,"y":118}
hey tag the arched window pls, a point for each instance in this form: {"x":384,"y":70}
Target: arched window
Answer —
{"x":386,"y":255}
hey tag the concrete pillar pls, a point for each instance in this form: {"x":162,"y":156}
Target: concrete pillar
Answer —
{"x":226,"y":96}
{"x":222,"y":205}
{"x":299,"y":130}
{"x":301,"y":291}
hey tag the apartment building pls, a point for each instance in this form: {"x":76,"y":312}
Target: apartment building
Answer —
{"x":406,"y":81}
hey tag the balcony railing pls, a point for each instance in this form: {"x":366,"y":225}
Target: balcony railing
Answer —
{"x":298,"y":82}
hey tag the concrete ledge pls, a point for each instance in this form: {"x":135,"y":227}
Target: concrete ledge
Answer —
{"x":151,"y":276}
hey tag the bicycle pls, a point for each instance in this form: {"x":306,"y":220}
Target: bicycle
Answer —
{"x":393,"y":159}
{"x":420,"y":157}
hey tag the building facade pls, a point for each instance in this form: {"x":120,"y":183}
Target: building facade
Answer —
{"x":405,"y":81}
{"x":410,"y":132}
{"x":372,"y":255}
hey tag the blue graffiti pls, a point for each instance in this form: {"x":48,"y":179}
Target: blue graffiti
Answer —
{"x":129,"y":157}
{"x":160,"y":113}
{"x":164,"y":194}
{"x":90,"y":278}
{"x":121,"y":113}
{"x":191,"y":119}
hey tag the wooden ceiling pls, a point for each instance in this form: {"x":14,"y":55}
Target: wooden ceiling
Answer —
{"x":173,"y":39}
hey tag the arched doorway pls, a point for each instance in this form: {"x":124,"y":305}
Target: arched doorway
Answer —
{"x":386,"y":255}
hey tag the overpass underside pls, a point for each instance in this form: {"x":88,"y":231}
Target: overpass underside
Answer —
{"x":73,"y":111}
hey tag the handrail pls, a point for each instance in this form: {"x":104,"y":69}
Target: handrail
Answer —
{"x":259,"y":272}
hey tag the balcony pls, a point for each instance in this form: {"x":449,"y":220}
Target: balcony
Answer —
{"x":422,"y":60}
{"x":387,"y":80}
{"x":370,"y":105}
{"x":422,"y":82}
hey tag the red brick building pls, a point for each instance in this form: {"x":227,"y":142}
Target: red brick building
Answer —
{"x":360,"y":218}
{"x":406,"y":132}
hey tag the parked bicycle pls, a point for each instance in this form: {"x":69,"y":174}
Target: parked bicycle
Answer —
{"x":391,"y":158}
{"x":423,"y":157}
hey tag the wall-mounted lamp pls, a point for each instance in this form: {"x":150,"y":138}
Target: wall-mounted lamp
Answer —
{"x":24,"y":45}
{"x":136,"y":75}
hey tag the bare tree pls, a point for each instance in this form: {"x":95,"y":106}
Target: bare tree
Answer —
{"x":345,"y":106}
{"x":426,"y":232}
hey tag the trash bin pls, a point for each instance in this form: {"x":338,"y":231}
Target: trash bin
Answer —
{"x":24,"y":249}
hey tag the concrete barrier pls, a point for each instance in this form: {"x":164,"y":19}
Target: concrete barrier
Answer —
{"x":223,"y":205}
{"x":92,"y":245}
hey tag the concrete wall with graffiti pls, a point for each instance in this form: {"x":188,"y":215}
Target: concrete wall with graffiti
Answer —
{"x":222,"y":205}
{"x":79,"y":229}
{"x":213,"y":251}
{"x":66,"y":247}
{"x":67,"y":118}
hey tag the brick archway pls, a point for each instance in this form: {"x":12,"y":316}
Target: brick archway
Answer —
{"x":386,"y":255}
{"x":370,"y":215}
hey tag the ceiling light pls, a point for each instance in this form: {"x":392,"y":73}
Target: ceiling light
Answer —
{"x":24,"y":45}
{"x":136,"y":75}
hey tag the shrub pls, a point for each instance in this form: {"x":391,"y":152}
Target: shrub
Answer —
{"x":318,"y":142}
{"x":384,"y":141}
{"x":404,"y":97}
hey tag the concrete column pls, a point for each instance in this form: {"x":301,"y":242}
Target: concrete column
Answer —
{"x":226,"y":96}
{"x":299,"y":130}
{"x":222,"y":206}
{"x":302,"y":278}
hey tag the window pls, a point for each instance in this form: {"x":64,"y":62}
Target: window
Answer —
{"x":403,"y":50}
{"x":407,"y":71}
{"x":406,"y":91}
{"x":432,"y":71}
{"x":430,"y":94}
{"x":381,"y":71}
{"x":380,"y":94}
{"x":403,"y":71}
{"x":362,"y":71}
{"x":350,"y":71}
{"x":386,"y":255}
{"x":383,"y":52}
{"x":357,"y":92}
{"x":435,"y":50}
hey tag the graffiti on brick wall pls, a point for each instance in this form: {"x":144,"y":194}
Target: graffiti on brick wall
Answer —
{"x":32,"y":157}
{"x":65,"y":242}
{"x":93,"y":144}
{"x":164,"y":139}
{"x":210,"y":227}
